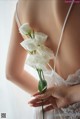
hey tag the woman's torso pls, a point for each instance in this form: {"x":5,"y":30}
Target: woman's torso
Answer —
{"x":47,"y":16}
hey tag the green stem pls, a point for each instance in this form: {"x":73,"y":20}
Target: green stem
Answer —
{"x":30,"y":35}
{"x":39,"y":73}
{"x":43,"y":111}
{"x":33,"y":34}
{"x":41,"y":76}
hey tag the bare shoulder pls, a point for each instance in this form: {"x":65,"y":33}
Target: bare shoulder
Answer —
{"x":27,"y":10}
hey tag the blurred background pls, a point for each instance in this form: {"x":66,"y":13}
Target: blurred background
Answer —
{"x":13,"y":100}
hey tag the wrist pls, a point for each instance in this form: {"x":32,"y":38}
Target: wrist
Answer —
{"x":69,"y":95}
{"x":72,"y":95}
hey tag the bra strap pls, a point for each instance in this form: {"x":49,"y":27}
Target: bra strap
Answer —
{"x":16,"y":16}
{"x":64,"y":24}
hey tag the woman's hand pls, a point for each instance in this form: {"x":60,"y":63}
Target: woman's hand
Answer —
{"x":54,"y":97}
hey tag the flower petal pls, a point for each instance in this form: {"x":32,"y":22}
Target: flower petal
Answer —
{"x":29,"y":44}
{"x":25,"y":29}
{"x":40,"y":38}
{"x":45,"y":52}
{"x":36,"y":61}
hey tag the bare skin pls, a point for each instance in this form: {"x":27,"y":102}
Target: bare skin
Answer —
{"x":46,"y":16}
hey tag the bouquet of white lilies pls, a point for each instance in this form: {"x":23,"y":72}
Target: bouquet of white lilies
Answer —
{"x":38,"y":54}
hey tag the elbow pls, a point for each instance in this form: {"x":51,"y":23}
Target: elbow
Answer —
{"x":12,"y":74}
{"x":9,"y":75}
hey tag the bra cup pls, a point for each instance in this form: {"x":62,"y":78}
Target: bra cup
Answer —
{"x":54,"y":79}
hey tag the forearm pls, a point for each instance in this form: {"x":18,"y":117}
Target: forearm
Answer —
{"x":74,"y":93}
{"x":25,"y":81}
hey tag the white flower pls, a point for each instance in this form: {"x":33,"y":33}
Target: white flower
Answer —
{"x":25,"y":29}
{"x":45,"y":52}
{"x":29,"y":44}
{"x":40,"y":54}
{"x":36,"y":58}
{"x":37,"y":61}
{"x":40,"y":38}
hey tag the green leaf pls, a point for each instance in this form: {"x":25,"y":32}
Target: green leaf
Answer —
{"x":42,"y":85}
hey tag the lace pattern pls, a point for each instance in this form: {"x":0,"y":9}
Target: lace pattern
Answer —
{"x":72,"y":111}
{"x":74,"y":79}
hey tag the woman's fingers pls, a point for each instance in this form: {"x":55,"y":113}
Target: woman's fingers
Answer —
{"x":48,"y":108}
{"x":34,"y":101}
{"x":46,"y":94}
{"x":39,"y":98}
{"x":43,"y":102}
{"x":37,"y":93}
{"x":43,"y":96}
{"x":48,"y":101}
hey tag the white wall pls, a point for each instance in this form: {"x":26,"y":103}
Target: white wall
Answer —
{"x":13,"y":100}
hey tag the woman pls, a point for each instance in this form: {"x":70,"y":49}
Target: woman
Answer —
{"x":48,"y":16}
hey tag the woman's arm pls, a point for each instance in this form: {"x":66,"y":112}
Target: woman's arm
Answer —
{"x":74,"y":93}
{"x":15,"y":63}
